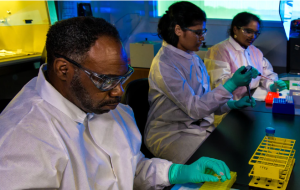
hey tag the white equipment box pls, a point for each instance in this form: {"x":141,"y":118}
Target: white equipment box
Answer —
{"x":142,"y":53}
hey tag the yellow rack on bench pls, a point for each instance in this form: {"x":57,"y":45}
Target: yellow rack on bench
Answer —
{"x":273,"y":162}
{"x":226,"y":185}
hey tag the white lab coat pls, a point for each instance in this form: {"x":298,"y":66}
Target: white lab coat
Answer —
{"x":180,"y":95}
{"x":224,"y":58}
{"x":48,"y":142}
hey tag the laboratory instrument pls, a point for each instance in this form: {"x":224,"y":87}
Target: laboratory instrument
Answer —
{"x":265,"y":77}
{"x":246,"y":69}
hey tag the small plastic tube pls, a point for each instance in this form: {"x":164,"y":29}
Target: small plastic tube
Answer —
{"x":270,"y":133}
{"x":289,"y":99}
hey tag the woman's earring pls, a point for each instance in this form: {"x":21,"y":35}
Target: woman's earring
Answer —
{"x":235,"y":36}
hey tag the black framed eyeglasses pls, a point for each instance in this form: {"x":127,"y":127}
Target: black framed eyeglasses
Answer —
{"x":249,"y":32}
{"x":201,"y":32}
{"x":102,"y":82}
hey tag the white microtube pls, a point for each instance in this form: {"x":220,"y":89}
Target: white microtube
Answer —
{"x":289,"y":99}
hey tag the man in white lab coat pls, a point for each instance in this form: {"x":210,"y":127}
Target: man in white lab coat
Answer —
{"x":66,"y":129}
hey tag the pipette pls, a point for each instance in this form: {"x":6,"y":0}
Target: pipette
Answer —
{"x":266,"y":77}
{"x":245,"y":70}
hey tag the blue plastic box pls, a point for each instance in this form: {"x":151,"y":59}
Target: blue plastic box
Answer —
{"x":284,"y":106}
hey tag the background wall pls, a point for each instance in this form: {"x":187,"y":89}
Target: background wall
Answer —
{"x":272,"y":42}
{"x":137,"y":20}
{"x":266,"y":9}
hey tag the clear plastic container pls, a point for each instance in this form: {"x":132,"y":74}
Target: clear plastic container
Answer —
{"x":270,"y":132}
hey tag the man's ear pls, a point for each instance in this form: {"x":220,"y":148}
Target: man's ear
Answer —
{"x":61,"y":68}
{"x":178,"y":30}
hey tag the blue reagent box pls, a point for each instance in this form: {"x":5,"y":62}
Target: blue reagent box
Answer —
{"x":283,"y":106}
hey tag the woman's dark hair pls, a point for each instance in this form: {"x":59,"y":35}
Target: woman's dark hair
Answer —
{"x":242,"y":19}
{"x":183,"y":13}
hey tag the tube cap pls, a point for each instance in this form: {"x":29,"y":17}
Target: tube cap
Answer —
{"x":270,"y":130}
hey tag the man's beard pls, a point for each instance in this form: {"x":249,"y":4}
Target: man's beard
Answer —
{"x":82,"y":96}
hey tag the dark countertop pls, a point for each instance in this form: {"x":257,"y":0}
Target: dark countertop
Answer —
{"x":235,"y":140}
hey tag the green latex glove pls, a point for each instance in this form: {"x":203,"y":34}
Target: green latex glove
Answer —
{"x":200,"y":171}
{"x":238,"y":79}
{"x":242,"y":103}
{"x":278,"y":84}
{"x":254,"y":72}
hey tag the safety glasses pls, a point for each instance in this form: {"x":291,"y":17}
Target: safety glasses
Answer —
{"x":102,"y":82}
{"x":249,"y":32}
{"x":201,"y":32}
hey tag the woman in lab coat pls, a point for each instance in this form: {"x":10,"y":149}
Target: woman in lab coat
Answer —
{"x":181,"y":102}
{"x":223,"y":59}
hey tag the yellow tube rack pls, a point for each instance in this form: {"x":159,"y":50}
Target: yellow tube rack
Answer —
{"x":273,"y":162}
{"x":226,"y":185}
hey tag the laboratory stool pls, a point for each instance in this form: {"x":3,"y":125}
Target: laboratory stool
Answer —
{"x":136,"y":96}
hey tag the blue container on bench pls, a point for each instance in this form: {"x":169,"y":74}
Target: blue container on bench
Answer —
{"x":284,"y":106}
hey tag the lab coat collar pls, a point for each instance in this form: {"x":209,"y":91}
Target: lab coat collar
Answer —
{"x":179,"y":51}
{"x":236,"y":46}
{"x":52,"y":96}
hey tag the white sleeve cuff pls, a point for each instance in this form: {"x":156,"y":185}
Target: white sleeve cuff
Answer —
{"x":225,"y":108}
{"x":268,"y":84}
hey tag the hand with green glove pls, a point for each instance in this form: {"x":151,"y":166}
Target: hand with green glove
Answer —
{"x":255,"y":72}
{"x":278,"y":84}
{"x":200,"y":171}
{"x":242,"y":103}
{"x":238,"y":79}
